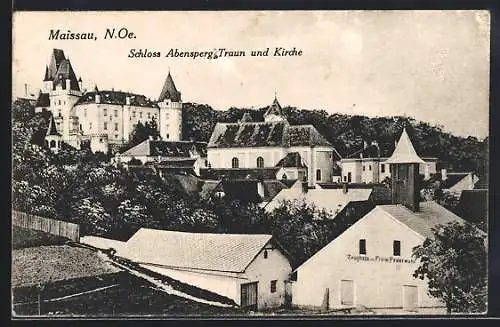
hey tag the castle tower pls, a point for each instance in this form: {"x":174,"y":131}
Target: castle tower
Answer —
{"x":52,"y":137}
{"x":405,"y":165}
{"x":274,"y":112}
{"x":63,"y":89}
{"x":170,"y":117}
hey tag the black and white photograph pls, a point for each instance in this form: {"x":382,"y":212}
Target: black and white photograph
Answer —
{"x":214,"y":164}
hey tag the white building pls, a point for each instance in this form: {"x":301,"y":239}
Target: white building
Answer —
{"x":248,"y":144}
{"x":369,"y":165}
{"x":251,"y":270}
{"x":104,"y":119}
{"x":370,"y":264}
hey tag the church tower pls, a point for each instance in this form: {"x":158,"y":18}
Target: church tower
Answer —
{"x":274,"y":112}
{"x":405,"y":173}
{"x":170,"y":117}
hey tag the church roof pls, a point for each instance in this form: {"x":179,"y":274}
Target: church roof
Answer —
{"x":52,"y":130}
{"x":274,"y":109}
{"x":117,"y":98}
{"x":179,"y":149}
{"x":264,"y":134}
{"x":404,"y":152}
{"x":169,"y":91}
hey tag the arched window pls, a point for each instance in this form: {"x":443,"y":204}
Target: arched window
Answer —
{"x":235,"y":163}
{"x":260,"y":162}
{"x":52,"y":144}
{"x":318,"y":174}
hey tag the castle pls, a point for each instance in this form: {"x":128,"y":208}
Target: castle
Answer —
{"x":103,"y":119}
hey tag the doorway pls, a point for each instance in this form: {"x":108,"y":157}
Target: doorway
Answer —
{"x":249,"y":295}
{"x":410,"y":297}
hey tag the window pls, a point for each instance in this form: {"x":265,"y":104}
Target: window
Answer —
{"x":167,"y":116}
{"x":59,"y":102}
{"x":265,"y":254}
{"x":133,"y":114}
{"x":260,"y":162}
{"x":318,"y":174}
{"x":362,"y":246}
{"x":345,"y":178}
{"x":284,"y":177}
{"x":100,"y":140}
{"x":90,"y":126}
{"x":149,"y":115}
{"x":116,"y":113}
{"x":369,"y":167}
{"x":59,"y":113}
{"x":140,"y":114}
{"x":116,"y":136}
{"x":84,"y":112}
{"x":105,"y":126}
{"x":390,"y":168}
{"x":105,"y":111}
{"x":396,"y":248}
{"x":235,"y":163}
{"x":116,"y":126}
{"x":364,"y":168}
{"x":273,"y":286}
{"x":52,"y":144}
{"x":168,"y":136}
{"x":349,"y":177}
{"x":382,"y":168}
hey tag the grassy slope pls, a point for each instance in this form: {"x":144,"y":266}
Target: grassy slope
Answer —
{"x":24,"y":238}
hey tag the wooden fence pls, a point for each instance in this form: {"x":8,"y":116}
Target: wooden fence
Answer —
{"x":51,"y":226}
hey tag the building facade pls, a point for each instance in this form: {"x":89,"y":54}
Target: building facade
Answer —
{"x":104,"y":119}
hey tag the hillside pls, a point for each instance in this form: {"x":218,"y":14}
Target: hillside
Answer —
{"x":347,"y":132}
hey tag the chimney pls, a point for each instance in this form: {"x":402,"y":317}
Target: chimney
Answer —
{"x":68,"y":84}
{"x":80,"y":84}
{"x":444,"y":174}
{"x":345,"y":188}
{"x":127,"y":100}
{"x":26,"y":90}
{"x":97,"y":98}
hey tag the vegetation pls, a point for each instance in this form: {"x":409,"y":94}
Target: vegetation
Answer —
{"x":454,"y":262}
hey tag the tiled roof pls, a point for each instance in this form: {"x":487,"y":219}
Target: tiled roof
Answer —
{"x":117,"y":98}
{"x":238,"y":173}
{"x":430,"y":215}
{"x":404,"y":152}
{"x":65,"y":71}
{"x":247,"y":118}
{"x":203,"y":251}
{"x":292,"y":159}
{"x":43,"y":100}
{"x":180,"y":149}
{"x":263,"y":134}
{"x":451,"y":179}
{"x":207,"y":187}
{"x":169,"y":91}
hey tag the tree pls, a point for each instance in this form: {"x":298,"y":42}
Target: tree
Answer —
{"x":454,"y":262}
{"x":144,"y":131}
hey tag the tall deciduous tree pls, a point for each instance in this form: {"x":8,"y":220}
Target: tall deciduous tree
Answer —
{"x":454,"y":262}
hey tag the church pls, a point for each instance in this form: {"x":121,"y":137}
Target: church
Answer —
{"x":103,"y":119}
{"x":262,"y":145}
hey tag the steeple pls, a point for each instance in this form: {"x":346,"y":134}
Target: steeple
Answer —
{"x":274,"y":112}
{"x":405,"y":165}
{"x":52,"y":130}
{"x":169,"y":91}
{"x":46,"y":77}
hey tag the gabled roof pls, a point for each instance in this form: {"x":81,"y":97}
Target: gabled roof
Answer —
{"x":43,"y":100}
{"x":430,"y":215}
{"x":451,"y":179}
{"x":52,"y":130}
{"x":264,"y":134}
{"x":200,"y":251}
{"x":117,"y":98}
{"x":179,"y":149}
{"x":404,"y":152}
{"x":274,"y":109}
{"x":169,"y":91}
{"x":292,"y":159}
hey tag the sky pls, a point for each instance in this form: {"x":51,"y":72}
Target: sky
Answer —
{"x":430,"y":65}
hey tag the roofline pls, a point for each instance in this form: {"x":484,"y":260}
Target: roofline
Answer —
{"x":400,"y":222}
{"x":184,"y":267}
{"x":278,"y":245}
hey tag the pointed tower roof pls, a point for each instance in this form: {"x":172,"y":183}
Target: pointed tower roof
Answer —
{"x":65,"y":71}
{"x":274,"y":108}
{"x":404,"y":152}
{"x":46,"y":76}
{"x":55,"y":61}
{"x":169,"y":91}
{"x":52,"y":130}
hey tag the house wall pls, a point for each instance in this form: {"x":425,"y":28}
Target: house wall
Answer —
{"x":353,"y":167}
{"x":377,"y":283}
{"x":466,"y":183}
{"x":222,"y":158}
{"x":369,"y":171}
{"x":324,"y":162}
{"x":275,"y":267}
